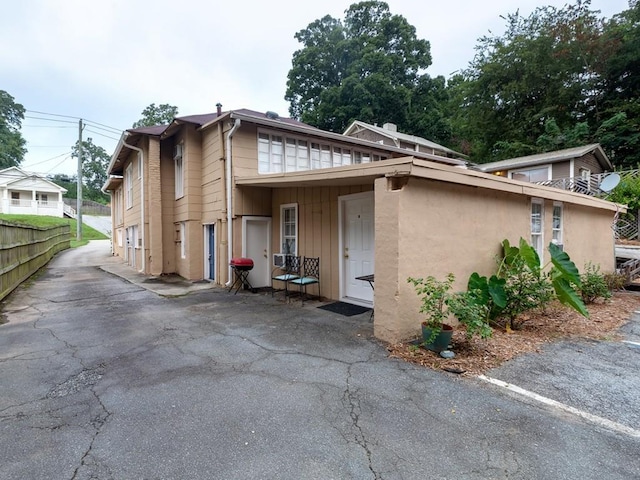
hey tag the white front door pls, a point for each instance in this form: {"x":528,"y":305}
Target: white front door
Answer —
{"x":256,"y":245}
{"x":357,"y":247}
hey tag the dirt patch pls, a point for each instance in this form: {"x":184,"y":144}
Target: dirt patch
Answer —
{"x":476,"y":356}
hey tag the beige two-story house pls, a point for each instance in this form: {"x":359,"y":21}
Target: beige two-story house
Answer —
{"x":190,"y":196}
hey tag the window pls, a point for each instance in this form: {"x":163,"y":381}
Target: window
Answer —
{"x":179,"y":174}
{"x":269,"y":153}
{"x":278,"y":153}
{"x":119,"y":237}
{"x":128,"y":186}
{"x":42,"y":198}
{"x":15,"y":198}
{"x":556,"y":228}
{"x":289,"y":228}
{"x":536,"y":226}
{"x":539,"y":174}
{"x":183,"y":240}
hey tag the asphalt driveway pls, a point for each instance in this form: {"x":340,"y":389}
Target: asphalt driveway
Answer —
{"x":102,"y":378}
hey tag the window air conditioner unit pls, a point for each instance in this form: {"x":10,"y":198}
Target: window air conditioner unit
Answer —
{"x":279,"y":259}
{"x":177,"y":151}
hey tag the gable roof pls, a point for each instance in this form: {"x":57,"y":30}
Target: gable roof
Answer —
{"x":548,"y":157}
{"x":398,"y":136}
{"x":269,"y":119}
{"x":14,"y":176}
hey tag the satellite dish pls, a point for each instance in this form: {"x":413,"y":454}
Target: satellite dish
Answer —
{"x":610,"y":182}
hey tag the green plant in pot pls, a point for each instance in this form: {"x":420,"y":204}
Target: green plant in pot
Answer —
{"x":434,"y":294}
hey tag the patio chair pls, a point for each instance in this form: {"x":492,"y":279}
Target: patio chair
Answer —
{"x":310,"y":275}
{"x":288,"y":272}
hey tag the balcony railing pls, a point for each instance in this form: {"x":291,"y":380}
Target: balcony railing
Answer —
{"x":626,"y":224}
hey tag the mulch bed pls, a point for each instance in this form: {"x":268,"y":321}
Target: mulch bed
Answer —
{"x":476,"y":356}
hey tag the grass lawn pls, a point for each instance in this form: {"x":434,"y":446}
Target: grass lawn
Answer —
{"x":88,"y":233}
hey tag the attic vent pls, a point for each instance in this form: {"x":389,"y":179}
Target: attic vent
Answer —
{"x":272,"y":115}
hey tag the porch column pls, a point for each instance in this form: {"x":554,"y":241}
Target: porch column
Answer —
{"x":34,"y":202}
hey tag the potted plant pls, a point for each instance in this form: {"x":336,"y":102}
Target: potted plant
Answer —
{"x":434,"y":295}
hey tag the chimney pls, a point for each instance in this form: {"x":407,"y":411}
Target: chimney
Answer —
{"x":219,"y":107}
{"x":392,"y":127}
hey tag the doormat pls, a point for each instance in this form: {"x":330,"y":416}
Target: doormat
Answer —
{"x":346,"y":309}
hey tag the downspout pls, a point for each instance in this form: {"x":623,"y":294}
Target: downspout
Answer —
{"x":141,"y":153}
{"x":230,"y":133}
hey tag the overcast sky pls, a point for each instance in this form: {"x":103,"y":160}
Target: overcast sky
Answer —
{"x":106,"y":60}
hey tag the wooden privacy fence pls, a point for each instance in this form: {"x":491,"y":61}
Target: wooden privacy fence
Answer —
{"x":25,"y":249}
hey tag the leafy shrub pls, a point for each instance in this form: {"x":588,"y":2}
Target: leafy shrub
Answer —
{"x":593,"y":284}
{"x":615,"y":281}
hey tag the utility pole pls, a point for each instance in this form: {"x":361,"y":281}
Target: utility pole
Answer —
{"x":79,"y":196}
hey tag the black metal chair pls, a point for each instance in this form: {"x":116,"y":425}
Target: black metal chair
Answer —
{"x":289,"y":271}
{"x":310,"y":275}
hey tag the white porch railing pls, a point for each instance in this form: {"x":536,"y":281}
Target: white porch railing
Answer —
{"x":69,"y":211}
{"x":32,"y":207}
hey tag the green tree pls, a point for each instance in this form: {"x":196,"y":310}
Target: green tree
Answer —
{"x":12,"y":144}
{"x":66,"y":181}
{"x":95,"y":161}
{"x":157,"y":115}
{"x":619,"y":131}
{"x":369,"y":67}
{"x":540,"y":80}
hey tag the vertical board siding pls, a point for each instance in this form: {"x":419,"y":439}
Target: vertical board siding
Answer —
{"x":318,"y":228}
{"x":24,"y":250}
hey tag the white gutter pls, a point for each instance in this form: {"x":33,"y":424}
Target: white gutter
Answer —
{"x":141,"y":159}
{"x":230,"y":133}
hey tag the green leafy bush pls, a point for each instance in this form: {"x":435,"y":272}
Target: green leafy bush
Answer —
{"x":594,"y":285}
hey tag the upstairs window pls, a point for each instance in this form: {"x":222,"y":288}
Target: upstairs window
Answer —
{"x":278,"y":153}
{"x":128,"y":186}
{"x":538,"y":174}
{"x":179,"y":171}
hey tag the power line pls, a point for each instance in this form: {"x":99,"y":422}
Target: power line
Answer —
{"x":52,"y":158}
{"x":49,"y":119}
{"x":52,"y":114}
{"x":116,"y":130}
{"x":48,"y":126}
{"x":101,"y":134}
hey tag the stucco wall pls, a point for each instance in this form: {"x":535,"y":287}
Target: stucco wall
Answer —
{"x":433,"y":228}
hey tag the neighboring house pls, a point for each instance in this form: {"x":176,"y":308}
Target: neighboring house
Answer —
{"x":388,"y":135}
{"x":28,"y":193}
{"x":577,"y":168}
{"x":188,"y":197}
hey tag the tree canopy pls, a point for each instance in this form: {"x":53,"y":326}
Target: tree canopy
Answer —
{"x":369,"y":67}
{"x":157,"y":115}
{"x":12,"y":144}
{"x":95,"y":161}
{"x":558,"y":78}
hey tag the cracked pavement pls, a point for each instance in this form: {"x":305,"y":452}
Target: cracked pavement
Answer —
{"x":103,"y":379}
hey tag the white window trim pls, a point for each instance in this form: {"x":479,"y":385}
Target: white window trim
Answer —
{"x":128,"y":185}
{"x":282,"y":236}
{"x":178,"y":163}
{"x":561,"y":228}
{"x":532,"y":167}
{"x":139,"y":165}
{"x":540,"y":249}
{"x":366,"y":154}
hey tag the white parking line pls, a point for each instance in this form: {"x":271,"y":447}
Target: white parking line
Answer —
{"x":635,"y":344}
{"x":603,"y":422}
